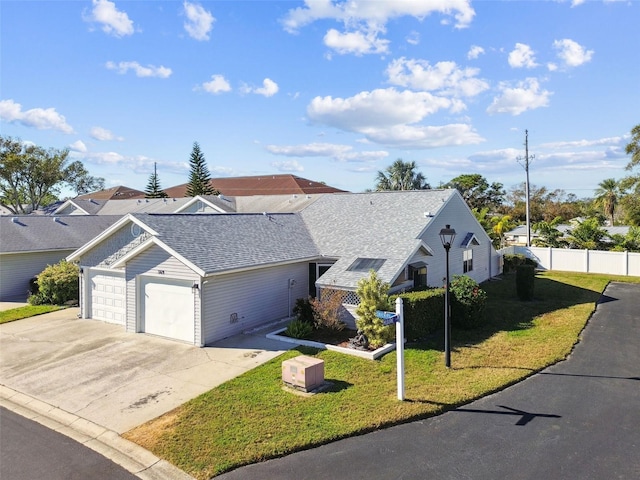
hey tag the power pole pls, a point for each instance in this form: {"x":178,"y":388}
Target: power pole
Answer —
{"x":525,"y":164}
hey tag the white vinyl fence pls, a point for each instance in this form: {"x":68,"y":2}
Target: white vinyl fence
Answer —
{"x":586,"y":261}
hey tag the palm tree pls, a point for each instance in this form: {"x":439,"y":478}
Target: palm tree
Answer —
{"x":607,"y":197}
{"x":501,"y":225}
{"x":548,"y":234}
{"x":401,"y":176}
{"x":587,"y":235}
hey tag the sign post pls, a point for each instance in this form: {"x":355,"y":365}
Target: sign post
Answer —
{"x":389,"y":318}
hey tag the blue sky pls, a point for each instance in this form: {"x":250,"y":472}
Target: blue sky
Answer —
{"x":330,"y":91}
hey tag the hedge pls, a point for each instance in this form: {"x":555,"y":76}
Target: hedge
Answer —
{"x":423,"y":312}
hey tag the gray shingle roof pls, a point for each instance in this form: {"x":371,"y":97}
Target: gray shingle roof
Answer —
{"x":222,"y":242}
{"x":34,"y":233}
{"x":375,"y":225}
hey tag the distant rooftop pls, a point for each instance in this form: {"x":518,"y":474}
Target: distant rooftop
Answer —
{"x":283,"y":184}
{"x":114,"y":193}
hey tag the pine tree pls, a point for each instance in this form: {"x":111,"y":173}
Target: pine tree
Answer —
{"x":153,"y":189}
{"x":199,"y":177}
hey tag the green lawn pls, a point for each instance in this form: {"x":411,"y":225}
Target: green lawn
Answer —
{"x":252,"y":418}
{"x":26,"y":312}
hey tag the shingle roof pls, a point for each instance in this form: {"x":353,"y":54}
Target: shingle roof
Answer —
{"x":114,"y":193}
{"x":222,"y":242}
{"x":34,"y":233}
{"x":373,"y":225}
{"x":284,"y":184}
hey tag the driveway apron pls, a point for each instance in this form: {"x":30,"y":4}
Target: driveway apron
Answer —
{"x":116,"y":379}
{"x":577,"y":419}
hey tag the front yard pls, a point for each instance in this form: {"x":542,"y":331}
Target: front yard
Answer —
{"x":252,"y":418}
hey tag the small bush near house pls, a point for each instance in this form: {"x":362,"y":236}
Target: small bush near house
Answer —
{"x":303,"y":310}
{"x":468,"y":302}
{"x":511,"y":262}
{"x":423,"y":312}
{"x":57,"y":284}
{"x":327,"y":310}
{"x":299,"y":329}
{"x":374,"y":296}
{"x":525,"y":279}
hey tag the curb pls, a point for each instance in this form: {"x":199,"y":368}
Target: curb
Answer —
{"x":131,"y":457}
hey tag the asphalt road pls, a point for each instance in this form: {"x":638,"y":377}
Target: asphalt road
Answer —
{"x":30,"y":451}
{"x":579,"y":419}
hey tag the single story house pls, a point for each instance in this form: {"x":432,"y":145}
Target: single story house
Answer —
{"x":200,"y":278}
{"x":518,"y":236}
{"x":28,"y":243}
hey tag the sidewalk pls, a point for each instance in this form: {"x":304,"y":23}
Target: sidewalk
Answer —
{"x":130,"y":456}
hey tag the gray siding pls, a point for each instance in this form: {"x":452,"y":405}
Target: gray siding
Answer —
{"x":111,"y":245}
{"x":239,"y":301}
{"x":150,"y":263}
{"x":457,"y":214}
{"x":16,"y":269}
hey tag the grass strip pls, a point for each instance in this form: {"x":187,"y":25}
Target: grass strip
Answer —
{"x":26,"y":312}
{"x":252,"y":418}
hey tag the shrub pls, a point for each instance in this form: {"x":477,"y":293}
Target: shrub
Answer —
{"x":423,"y":312}
{"x":511,"y":262}
{"x":327,"y":310}
{"x":57,"y":284}
{"x":468,"y":302}
{"x":373,"y":295}
{"x":303,"y":310}
{"x":525,"y":277}
{"x":299,"y":329}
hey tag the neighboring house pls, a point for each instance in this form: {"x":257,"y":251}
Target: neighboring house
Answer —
{"x":200,"y":278}
{"x":31,"y":242}
{"x":114,"y":193}
{"x":282,"y":184}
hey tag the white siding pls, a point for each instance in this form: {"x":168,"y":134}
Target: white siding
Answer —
{"x":16,"y":269}
{"x":239,"y":301}
{"x":156,"y":262}
{"x":457,"y":214}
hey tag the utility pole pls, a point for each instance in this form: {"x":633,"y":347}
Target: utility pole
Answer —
{"x":525,"y":164}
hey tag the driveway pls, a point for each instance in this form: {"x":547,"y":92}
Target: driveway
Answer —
{"x":578,"y":419}
{"x":115,"y":379}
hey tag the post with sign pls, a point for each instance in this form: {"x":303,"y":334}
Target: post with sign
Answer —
{"x":400,"y":347}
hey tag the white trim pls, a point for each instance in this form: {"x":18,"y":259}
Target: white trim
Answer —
{"x":200,"y":199}
{"x":68,"y":203}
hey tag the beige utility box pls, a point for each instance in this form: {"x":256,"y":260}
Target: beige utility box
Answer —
{"x":304,"y":373}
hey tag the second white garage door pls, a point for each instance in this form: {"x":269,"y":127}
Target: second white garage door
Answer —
{"x":167,"y":308}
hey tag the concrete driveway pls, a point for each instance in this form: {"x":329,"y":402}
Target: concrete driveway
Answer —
{"x":115,"y":379}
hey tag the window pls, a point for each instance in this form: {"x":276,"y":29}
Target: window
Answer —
{"x":419,"y":276}
{"x":467,"y":261}
{"x":366,"y":264}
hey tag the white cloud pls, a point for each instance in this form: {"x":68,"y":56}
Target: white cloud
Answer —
{"x":269,"y":88}
{"x":114,"y":22}
{"x":140,"y":71}
{"x":608,"y":141}
{"x":102,"y":134}
{"x":135,"y":163}
{"x":474,"y":52}
{"x":388,"y":117}
{"x":413,"y":38}
{"x":445,"y":77}
{"x":365,"y":21}
{"x":572,"y":53}
{"x":218,"y":84}
{"x":358,"y":42}
{"x":379,"y":12}
{"x":78,"y":146}
{"x":526,"y":95}
{"x":199,"y":21}
{"x":522,"y":56}
{"x":288,"y":166}
{"x":341,"y":153}
{"x":40,"y":118}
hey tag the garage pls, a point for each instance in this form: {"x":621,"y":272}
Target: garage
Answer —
{"x":167,"y":308}
{"x":107,"y":300}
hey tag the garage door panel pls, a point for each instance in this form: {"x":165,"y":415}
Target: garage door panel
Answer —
{"x":168,"y":308}
{"x":107,"y":297}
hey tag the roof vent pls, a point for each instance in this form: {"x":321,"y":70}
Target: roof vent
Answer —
{"x":14,"y":219}
{"x":56,"y":219}
{"x":428,"y":214}
{"x":139,"y":201}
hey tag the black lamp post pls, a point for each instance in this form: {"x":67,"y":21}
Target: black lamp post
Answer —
{"x":447,"y":235}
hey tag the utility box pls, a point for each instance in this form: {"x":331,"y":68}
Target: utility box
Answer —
{"x":303,"y":373}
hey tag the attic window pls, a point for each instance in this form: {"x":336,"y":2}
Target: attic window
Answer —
{"x":469,"y":240}
{"x":366,"y":264}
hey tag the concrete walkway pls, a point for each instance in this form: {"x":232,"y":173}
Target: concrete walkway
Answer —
{"x":93,"y":381}
{"x":579,"y":419}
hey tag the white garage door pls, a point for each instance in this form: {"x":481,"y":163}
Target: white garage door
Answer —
{"x":107,"y":296}
{"x":168,"y":308}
